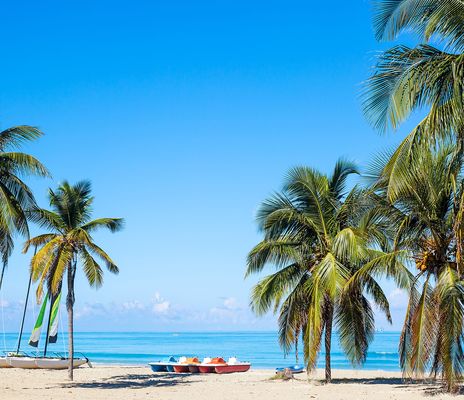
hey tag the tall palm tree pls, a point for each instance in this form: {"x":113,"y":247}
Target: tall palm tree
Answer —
{"x":318,"y":237}
{"x":423,"y":201}
{"x":425,"y":76}
{"x":69,"y":240}
{"x":15,"y":195}
{"x":428,"y":209}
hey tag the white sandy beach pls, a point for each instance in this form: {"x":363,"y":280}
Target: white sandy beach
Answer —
{"x":121,"y":383}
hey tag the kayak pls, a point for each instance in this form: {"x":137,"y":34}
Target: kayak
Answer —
{"x":294,"y":369}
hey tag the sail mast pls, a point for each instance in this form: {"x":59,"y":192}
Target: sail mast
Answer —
{"x":25,"y":307}
{"x":24,"y":314}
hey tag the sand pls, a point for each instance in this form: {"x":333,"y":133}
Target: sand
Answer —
{"x":121,"y":383}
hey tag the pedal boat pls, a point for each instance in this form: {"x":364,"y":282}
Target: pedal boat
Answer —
{"x":187,"y":365}
{"x":208,"y":367}
{"x":233,"y":365}
{"x":163,"y":365}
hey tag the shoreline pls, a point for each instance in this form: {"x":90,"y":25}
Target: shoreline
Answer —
{"x":123,"y":382}
{"x":260,"y":369}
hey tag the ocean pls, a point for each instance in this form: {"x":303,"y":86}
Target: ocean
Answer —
{"x":260,"y":348}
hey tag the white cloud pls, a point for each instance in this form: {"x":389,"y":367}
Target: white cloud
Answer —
{"x":230,"y":311}
{"x":157,"y":313}
{"x":160,"y":305}
{"x":91,"y":310}
{"x":230,"y":303}
{"x":398,"y":298}
{"x":133,"y":305}
{"x":4,"y":303}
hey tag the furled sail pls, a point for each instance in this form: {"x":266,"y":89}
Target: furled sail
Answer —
{"x":53,"y":335}
{"x":35,"y":335}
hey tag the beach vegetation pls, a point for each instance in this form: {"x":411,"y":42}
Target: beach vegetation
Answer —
{"x":15,"y":195}
{"x":420,"y":185}
{"x":67,"y":244}
{"x":323,"y":240}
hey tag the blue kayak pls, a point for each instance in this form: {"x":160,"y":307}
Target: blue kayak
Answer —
{"x":294,"y":369}
{"x":164,"y":365}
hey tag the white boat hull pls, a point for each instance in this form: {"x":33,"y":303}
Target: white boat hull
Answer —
{"x":4,"y":363}
{"x":42,"y":363}
{"x":55,"y":363}
{"x":21,"y":362}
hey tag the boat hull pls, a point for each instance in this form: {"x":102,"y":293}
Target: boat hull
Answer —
{"x":4,"y":363}
{"x":155,"y":367}
{"x":194,"y":369}
{"x":181,"y":368}
{"x":293,"y":369}
{"x":22,"y":362}
{"x":229,"y":369}
{"x":54,"y":363}
{"x":43,"y":363}
{"x":206,"y":369}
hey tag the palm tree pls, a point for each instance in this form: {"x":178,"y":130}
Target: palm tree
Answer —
{"x":318,"y":238}
{"x":421,"y":185}
{"x":425,"y":76}
{"x":423,"y":201}
{"x":15,"y":195}
{"x":69,"y":240}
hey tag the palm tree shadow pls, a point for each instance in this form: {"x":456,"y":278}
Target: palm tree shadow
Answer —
{"x":371,"y":381}
{"x":429,"y":387}
{"x":132,"y":381}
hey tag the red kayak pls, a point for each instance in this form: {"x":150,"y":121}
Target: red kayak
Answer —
{"x":209,"y":367}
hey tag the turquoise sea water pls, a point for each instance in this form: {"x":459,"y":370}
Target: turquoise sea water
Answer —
{"x":260,"y":348}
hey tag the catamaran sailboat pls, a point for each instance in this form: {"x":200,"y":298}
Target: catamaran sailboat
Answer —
{"x":19,"y":359}
{"x":25,"y":361}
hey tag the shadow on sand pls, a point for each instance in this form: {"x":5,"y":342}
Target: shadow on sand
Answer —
{"x":371,"y":381}
{"x":429,"y":387}
{"x":132,"y":381}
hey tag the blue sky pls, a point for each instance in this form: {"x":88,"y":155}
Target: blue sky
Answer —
{"x":184,"y":115}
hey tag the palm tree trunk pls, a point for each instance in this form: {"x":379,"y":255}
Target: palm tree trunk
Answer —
{"x":70,"y":308}
{"x":296,"y":347}
{"x":328,"y":342}
{"x":2,"y":274}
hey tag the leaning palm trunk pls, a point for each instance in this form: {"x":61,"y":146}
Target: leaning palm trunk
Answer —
{"x":2,"y":275}
{"x":328,"y":343}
